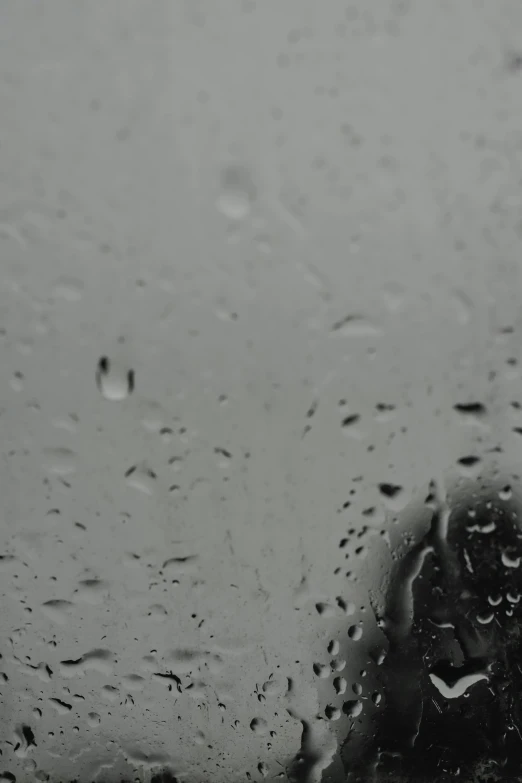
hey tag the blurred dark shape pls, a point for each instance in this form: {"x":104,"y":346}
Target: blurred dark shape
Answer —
{"x":452,"y":678}
{"x":164,"y":777}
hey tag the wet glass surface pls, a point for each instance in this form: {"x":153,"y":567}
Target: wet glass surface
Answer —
{"x":261,"y":402}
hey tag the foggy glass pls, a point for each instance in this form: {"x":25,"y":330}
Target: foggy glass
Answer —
{"x":261,"y":407}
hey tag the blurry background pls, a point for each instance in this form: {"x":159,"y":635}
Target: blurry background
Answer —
{"x":260,"y":283}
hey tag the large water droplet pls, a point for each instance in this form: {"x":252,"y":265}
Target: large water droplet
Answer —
{"x":333,"y":647}
{"x":259,"y":726}
{"x":321,"y":670}
{"x":510,"y":561}
{"x":113,"y":381}
{"x":109,"y":694}
{"x":133,"y":682}
{"x":238,"y":192}
{"x":58,"y":611}
{"x":340,"y":684}
{"x":142,"y":478}
{"x":505,"y":493}
{"x":60,"y":461}
{"x":91,"y":591}
{"x":157,"y":612}
{"x":61,"y":707}
{"x":96,"y":660}
{"x":353,"y":708}
{"x":332,"y":713}
{"x":355,"y":632}
{"x":355,"y":326}
{"x":25,"y":741}
{"x":457,"y":688}
{"x":69,"y":289}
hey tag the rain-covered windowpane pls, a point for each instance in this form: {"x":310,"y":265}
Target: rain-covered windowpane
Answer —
{"x":261,"y":400}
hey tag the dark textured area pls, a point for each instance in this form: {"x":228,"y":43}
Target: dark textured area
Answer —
{"x":423,"y":736}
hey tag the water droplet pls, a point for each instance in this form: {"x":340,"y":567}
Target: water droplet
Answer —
{"x":97,"y":660}
{"x":238,"y":192}
{"x":114,"y":382}
{"x":320,"y":670}
{"x":180,"y":566}
{"x":109,"y":694}
{"x":349,"y":421}
{"x":68,"y":288}
{"x":506,"y":493}
{"x":149,"y":664}
{"x":348,"y":607}
{"x":508,"y":561}
{"x":485,"y":527}
{"x":469,"y":465}
{"x":133,"y":682}
{"x":61,"y":707}
{"x":378,"y":656}
{"x":262,"y":769}
{"x":142,"y":478}
{"x":42,"y":671}
{"x":166,"y":435}
{"x":176,"y":463}
{"x":486,"y":618}
{"x":473,"y":411}
{"x":332,"y":713}
{"x":224,"y":457}
{"x":91,"y":591}
{"x":458,"y":688}
{"x":183,"y":661}
{"x":333,"y":647}
{"x":68,"y":423}
{"x":157,"y":612}
{"x":326,"y":610}
{"x":199,"y":737}
{"x":393,"y":495}
{"x":60,"y":461}
{"x":390,"y":490}
{"x":353,"y":708}
{"x":25,"y":741}
{"x":355,"y":326}
{"x":376,"y":698}
{"x":58,"y":611}
{"x":272,"y":688}
{"x":355,"y":632}
{"x":340,"y":685}
{"x":259,"y":726}
{"x":93,"y":719}
{"x":17,"y":382}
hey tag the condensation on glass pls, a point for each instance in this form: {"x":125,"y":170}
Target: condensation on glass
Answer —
{"x":261,"y":403}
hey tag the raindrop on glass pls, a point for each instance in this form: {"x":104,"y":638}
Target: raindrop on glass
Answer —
{"x":237,"y":192}
{"x":115,"y":383}
{"x":355,"y":632}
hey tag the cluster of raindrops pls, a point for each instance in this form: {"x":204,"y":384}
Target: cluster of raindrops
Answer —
{"x":385,"y":539}
{"x":87,"y":683}
{"x":81,"y":687}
